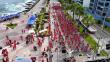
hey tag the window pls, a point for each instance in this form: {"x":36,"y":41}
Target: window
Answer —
{"x":106,"y":4}
{"x":99,"y":8}
{"x":92,"y":0}
{"x":107,"y":0}
{"x":101,"y":3}
{"x":98,"y":12}
{"x":90,"y":8}
{"x":104,"y":14}
{"x":91,"y":4}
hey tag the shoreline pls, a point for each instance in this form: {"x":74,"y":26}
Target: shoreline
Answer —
{"x":18,"y":14}
{"x":23,"y":17}
{"x":37,"y":8}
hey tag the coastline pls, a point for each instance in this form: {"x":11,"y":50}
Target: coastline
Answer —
{"x":18,"y":14}
{"x":18,"y":29}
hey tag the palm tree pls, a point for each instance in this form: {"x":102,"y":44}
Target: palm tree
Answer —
{"x":88,"y":20}
{"x":77,"y":9}
{"x":80,"y":11}
{"x":74,"y":6}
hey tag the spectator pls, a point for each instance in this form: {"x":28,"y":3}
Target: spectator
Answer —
{"x":33,"y":59}
{"x":21,"y":37}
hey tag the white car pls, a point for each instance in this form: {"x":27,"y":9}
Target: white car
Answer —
{"x":92,"y":29}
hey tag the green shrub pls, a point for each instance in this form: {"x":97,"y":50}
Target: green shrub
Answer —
{"x":103,"y":53}
{"x":11,"y":25}
{"x":91,"y":42}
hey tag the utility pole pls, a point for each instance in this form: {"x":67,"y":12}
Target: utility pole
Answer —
{"x":104,"y":16}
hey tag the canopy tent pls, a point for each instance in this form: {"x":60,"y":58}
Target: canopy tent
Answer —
{"x":31,"y":20}
{"x":31,"y":31}
{"x":43,"y":31}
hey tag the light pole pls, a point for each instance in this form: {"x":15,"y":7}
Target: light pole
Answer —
{"x":104,"y":15}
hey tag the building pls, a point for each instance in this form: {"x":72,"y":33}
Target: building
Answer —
{"x":85,"y":3}
{"x":100,"y":9}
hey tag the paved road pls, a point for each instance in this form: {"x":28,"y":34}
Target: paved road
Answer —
{"x":101,"y":33}
{"x":101,"y":36}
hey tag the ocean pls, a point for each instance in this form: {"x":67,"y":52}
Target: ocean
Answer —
{"x":12,"y":6}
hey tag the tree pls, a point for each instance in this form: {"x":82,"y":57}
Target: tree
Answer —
{"x":80,"y":11}
{"x":74,"y":6}
{"x":77,"y":9}
{"x":88,"y":20}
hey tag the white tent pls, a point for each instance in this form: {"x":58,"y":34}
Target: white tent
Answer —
{"x":43,"y":31}
{"x":31,"y":31}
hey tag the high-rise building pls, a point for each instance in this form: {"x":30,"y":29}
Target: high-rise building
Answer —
{"x":100,"y":9}
{"x":85,"y":3}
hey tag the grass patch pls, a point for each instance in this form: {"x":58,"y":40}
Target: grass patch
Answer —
{"x":108,"y":19}
{"x":81,"y":30}
{"x":93,"y":45}
{"x":107,"y":29}
{"x":91,"y":42}
{"x":11,"y":25}
{"x":103,"y":53}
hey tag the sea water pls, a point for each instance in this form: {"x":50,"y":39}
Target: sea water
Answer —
{"x":11,"y":6}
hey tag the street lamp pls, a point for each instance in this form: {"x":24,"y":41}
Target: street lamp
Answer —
{"x":104,"y":15}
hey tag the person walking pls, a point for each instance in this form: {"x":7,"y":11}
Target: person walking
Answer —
{"x":14,"y":45}
{"x":27,"y":40}
{"x":5,"y":55}
{"x":33,"y":59}
{"x":21,"y":37}
{"x":10,"y":43}
{"x":22,"y":31}
{"x":7,"y":37}
{"x":7,"y":28}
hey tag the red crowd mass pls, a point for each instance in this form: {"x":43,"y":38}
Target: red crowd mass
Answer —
{"x":65,"y":31}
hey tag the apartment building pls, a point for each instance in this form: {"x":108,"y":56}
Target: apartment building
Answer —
{"x":100,"y":9}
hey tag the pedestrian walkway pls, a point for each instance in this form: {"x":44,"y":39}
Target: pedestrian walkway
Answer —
{"x":14,"y":34}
